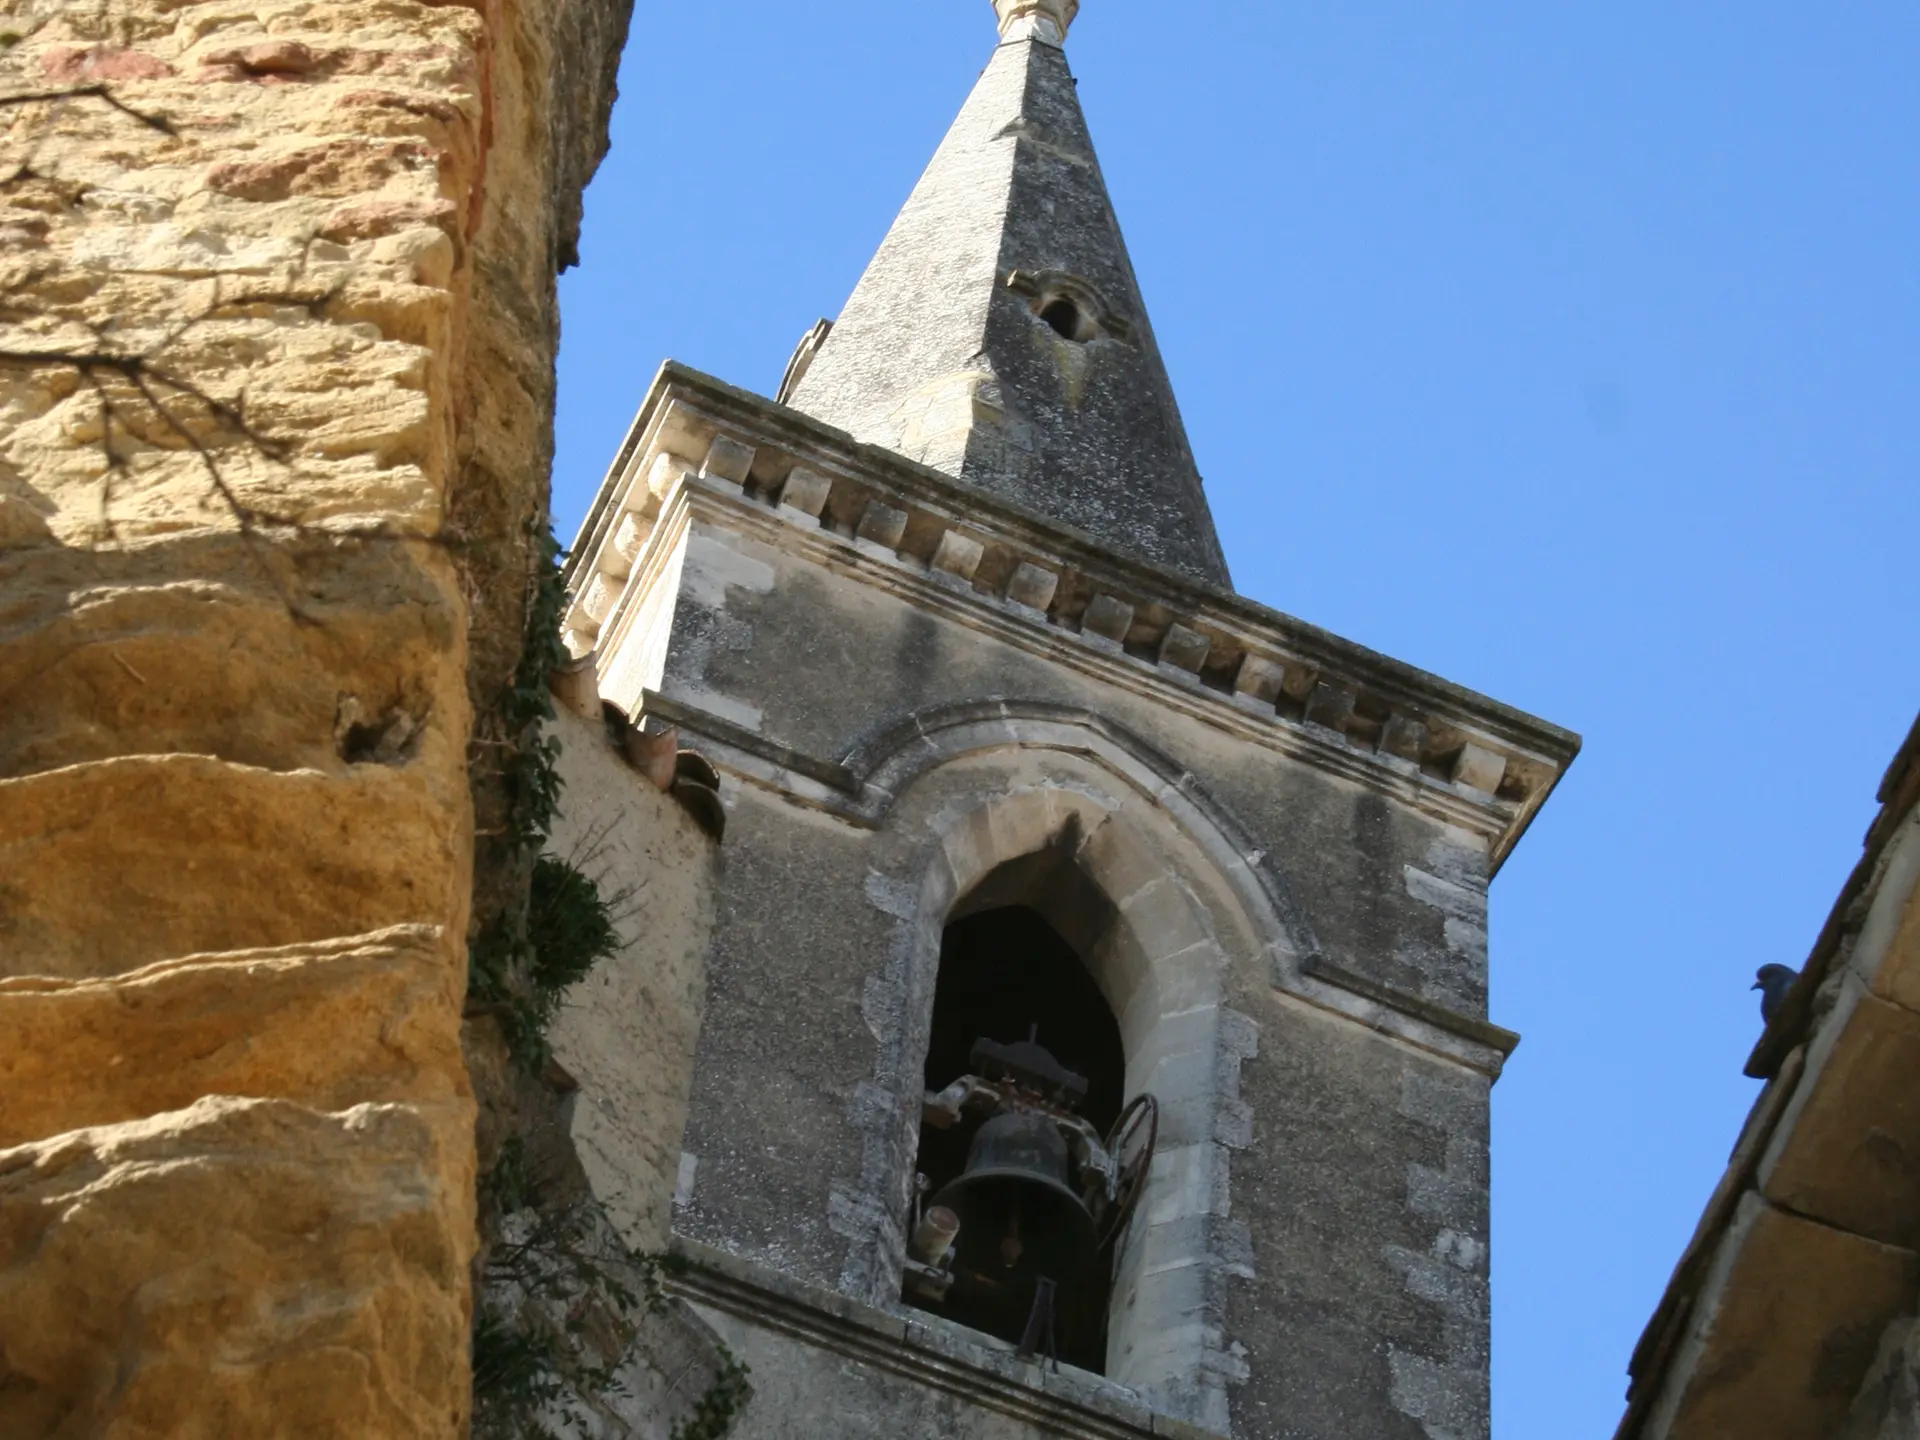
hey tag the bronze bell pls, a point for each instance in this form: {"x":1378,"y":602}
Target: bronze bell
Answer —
{"x":1019,"y":1218}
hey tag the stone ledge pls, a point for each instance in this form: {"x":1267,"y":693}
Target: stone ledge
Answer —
{"x":85,"y":847}
{"x":360,"y":1019}
{"x":923,"y":1349}
{"x":1467,"y":1027}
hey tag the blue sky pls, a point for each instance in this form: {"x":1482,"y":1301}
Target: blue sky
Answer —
{"x":1569,"y":351}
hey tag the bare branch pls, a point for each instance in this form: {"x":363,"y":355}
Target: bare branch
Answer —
{"x":102,"y":93}
{"x":242,"y":512}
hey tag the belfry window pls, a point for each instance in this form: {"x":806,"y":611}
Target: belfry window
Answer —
{"x":1065,"y":318}
{"x":1028,"y":1162}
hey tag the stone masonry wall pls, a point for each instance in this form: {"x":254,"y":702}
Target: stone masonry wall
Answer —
{"x":627,"y":1032}
{"x":275,"y":415}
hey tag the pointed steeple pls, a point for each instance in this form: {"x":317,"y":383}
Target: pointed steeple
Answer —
{"x":999,"y":333}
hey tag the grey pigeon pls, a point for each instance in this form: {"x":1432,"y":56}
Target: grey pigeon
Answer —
{"x":1773,"y":984}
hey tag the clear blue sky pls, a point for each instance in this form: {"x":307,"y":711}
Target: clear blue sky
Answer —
{"x":1570,"y":351}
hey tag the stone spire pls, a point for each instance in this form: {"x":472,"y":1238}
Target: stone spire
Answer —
{"x":999,"y":333}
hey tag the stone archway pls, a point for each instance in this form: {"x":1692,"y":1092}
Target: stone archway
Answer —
{"x":1087,"y":840}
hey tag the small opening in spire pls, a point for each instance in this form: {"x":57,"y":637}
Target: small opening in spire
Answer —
{"x":1067,"y":319}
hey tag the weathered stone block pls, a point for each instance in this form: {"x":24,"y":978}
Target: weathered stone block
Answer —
{"x":728,"y":460}
{"x":83,"y":848}
{"x":806,"y":492}
{"x":1330,"y":706}
{"x":106,"y":651}
{"x":1107,"y":618}
{"x":958,"y":555}
{"x":1032,"y":586}
{"x":882,"y":525}
{"x":330,"y":1025}
{"x":1257,"y":682}
{"x":1841,"y":1154}
{"x":322,"y":1257}
{"x":1811,"y":1298}
{"x":1479,"y":768}
{"x":1184,"y":649}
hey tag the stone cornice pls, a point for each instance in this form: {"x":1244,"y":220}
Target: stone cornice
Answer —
{"x":881,"y":518}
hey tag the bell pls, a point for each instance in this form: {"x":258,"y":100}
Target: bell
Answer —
{"x":1019,"y":1220}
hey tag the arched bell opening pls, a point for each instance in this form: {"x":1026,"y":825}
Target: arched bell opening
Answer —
{"x":1026,"y":1086}
{"x":1005,"y":970}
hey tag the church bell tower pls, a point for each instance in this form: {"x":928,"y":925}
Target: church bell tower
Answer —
{"x":1094,"y":1038}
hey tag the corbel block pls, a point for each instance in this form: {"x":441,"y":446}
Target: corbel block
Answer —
{"x":806,"y":492}
{"x":1108,"y":618}
{"x":958,"y":555}
{"x":666,"y":472}
{"x":599,"y":599}
{"x":1033,"y":587}
{"x":882,"y":525}
{"x":1256,"y":684}
{"x":728,"y":460}
{"x":1330,"y":706}
{"x":1479,"y":768}
{"x":1404,"y":738}
{"x":1184,"y":648}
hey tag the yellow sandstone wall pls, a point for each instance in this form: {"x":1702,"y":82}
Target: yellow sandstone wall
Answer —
{"x":275,"y":410}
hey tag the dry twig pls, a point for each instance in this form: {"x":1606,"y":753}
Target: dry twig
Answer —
{"x":102,"y":93}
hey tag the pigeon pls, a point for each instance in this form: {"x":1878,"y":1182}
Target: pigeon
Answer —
{"x":1773,"y":983}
